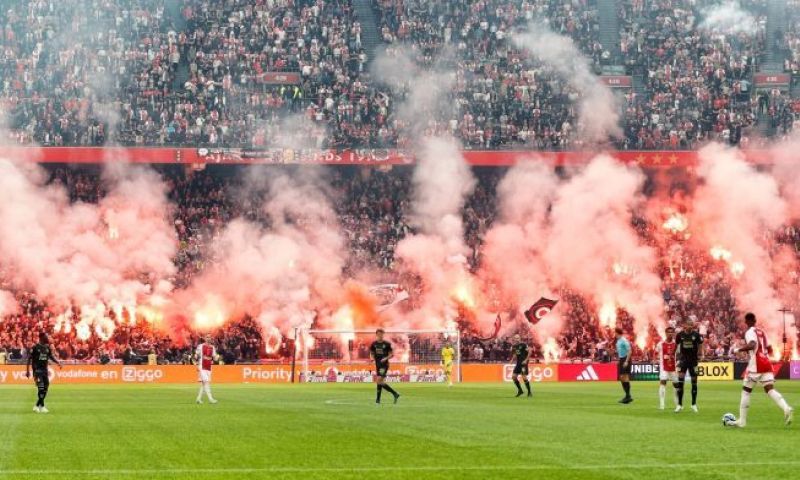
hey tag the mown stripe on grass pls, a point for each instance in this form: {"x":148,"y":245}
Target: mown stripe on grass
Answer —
{"x":410,"y":468}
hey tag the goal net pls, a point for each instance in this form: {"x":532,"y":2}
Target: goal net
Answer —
{"x":343,"y":356}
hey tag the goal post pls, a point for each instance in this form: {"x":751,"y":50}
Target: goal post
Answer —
{"x":327,"y":356}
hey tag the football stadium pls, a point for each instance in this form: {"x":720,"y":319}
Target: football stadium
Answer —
{"x":407,"y":239}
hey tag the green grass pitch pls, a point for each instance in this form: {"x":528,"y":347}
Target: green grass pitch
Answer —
{"x":470,"y":431}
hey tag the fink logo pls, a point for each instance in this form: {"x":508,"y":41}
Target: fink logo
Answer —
{"x":588,"y":374}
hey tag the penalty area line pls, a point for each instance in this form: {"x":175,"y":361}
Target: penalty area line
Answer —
{"x":432,"y":468}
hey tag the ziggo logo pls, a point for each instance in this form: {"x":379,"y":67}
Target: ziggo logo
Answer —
{"x":536,"y":373}
{"x":130,"y":374}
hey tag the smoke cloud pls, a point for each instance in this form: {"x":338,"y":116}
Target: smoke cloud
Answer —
{"x":598,"y":109}
{"x":728,"y":18}
{"x":735,"y":208}
{"x":115,"y":253}
{"x":594,"y":249}
{"x":437,"y":253}
{"x":281,"y":275}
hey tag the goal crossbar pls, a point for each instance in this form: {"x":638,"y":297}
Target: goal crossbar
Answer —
{"x":341,"y":356}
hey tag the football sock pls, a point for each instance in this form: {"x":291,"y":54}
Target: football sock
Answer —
{"x":389,"y":389}
{"x":744,"y":405}
{"x":207,"y":388}
{"x":778,"y":399}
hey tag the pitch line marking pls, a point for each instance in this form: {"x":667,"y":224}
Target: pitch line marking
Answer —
{"x":340,"y":402}
{"x":431,"y":468}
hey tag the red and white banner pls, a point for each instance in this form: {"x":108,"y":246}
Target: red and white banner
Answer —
{"x":366,"y":157}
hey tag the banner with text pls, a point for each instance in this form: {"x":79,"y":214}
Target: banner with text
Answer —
{"x":587,"y":372}
{"x":644,"y":371}
{"x":537,"y":372}
{"x":364,"y":373}
{"x":715,"y":371}
{"x":115,"y":374}
{"x":365,"y":157}
{"x":282,"y":373}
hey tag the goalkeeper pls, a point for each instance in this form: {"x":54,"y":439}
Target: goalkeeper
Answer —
{"x":448,"y":354}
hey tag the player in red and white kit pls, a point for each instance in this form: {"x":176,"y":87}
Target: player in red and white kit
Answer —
{"x":205,"y":355}
{"x":759,"y":370}
{"x":667,"y":370}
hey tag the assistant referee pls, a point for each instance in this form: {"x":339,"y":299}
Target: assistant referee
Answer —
{"x":624,"y":365}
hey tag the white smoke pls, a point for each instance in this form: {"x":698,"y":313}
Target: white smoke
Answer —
{"x":598,"y":109}
{"x":728,"y":18}
{"x":735,"y":208}
{"x":118,"y":251}
{"x":282,"y":275}
{"x":593,"y":248}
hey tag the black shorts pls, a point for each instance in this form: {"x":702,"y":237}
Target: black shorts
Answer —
{"x":688,"y":366}
{"x":621,"y":368}
{"x":41,"y":378}
{"x":381,"y":369}
{"x":521,"y":369}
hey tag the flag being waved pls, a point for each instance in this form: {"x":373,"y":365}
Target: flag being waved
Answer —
{"x":538,"y":310}
{"x":497,"y":324}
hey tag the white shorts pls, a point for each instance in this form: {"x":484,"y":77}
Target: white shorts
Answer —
{"x":751,"y":379}
{"x":668,"y":376}
{"x":204,"y":376}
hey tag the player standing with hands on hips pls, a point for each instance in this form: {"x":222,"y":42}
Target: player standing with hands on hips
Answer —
{"x":624,"y":364}
{"x":759,"y":369}
{"x":38,"y":358}
{"x":381,"y":352}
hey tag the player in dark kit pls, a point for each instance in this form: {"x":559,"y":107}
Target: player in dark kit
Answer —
{"x":39,"y":356}
{"x":690,"y":344}
{"x":381,"y":352}
{"x":520,"y":353}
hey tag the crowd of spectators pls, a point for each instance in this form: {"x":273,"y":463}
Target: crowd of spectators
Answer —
{"x":500,"y":96}
{"x":372,"y":205}
{"x":697,"y":81}
{"x":143,"y":72}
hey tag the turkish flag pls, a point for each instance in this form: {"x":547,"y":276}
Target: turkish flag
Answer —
{"x":538,"y":310}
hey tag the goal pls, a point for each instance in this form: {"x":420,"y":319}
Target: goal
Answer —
{"x":343,"y":356}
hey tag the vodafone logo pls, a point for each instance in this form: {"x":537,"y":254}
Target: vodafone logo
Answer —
{"x":131,"y":374}
{"x":414,"y":370}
